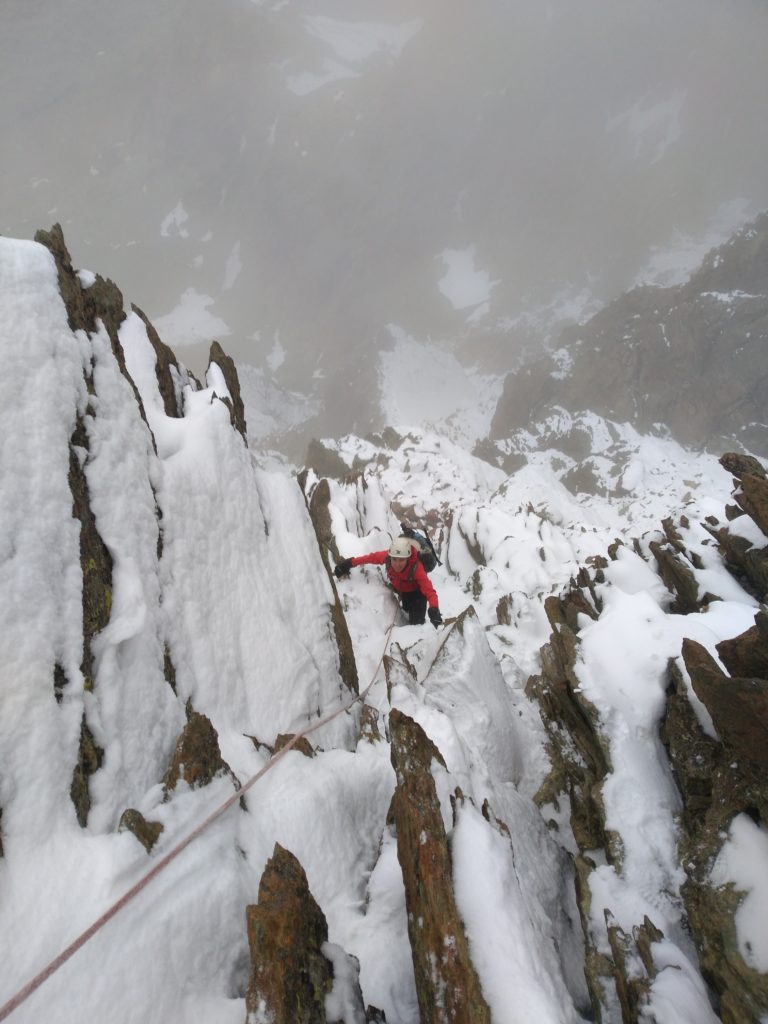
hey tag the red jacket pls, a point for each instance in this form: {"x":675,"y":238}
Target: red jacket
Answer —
{"x":413,"y":576}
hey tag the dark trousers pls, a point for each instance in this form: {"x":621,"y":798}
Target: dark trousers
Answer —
{"x":415,"y":606}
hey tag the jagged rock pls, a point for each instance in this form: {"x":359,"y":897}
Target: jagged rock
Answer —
{"x":325,"y":462}
{"x":753,"y":499}
{"x":302,"y":745}
{"x":101,"y":301}
{"x":90,"y":757}
{"x":650,"y":356}
{"x":290,"y":977}
{"x":197,"y":758}
{"x":95,"y":559}
{"x":446,"y":983}
{"x":747,"y":563}
{"x":147,"y":832}
{"x":235,"y":403}
{"x":714,"y":789}
{"x":578,"y":754}
{"x":321,"y":521}
{"x":369,"y":724}
{"x":738,"y":707}
{"x":739,"y":464}
{"x":170,"y":376}
{"x":746,"y":655}
{"x":678,"y":579}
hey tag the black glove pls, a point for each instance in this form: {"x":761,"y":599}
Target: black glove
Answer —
{"x":342,"y":569}
{"x":435,"y":617}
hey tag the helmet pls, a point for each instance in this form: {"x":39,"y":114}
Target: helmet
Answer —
{"x":400,"y":548}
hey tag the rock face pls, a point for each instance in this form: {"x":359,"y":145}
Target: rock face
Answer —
{"x":718,"y":778}
{"x":446,"y":983}
{"x":290,"y":977}
{"x":236,"y":408}
{"x":652,"y":356}
{"x":317,"y":503}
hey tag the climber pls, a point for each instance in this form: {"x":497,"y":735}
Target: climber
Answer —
{"x":407,"y":576}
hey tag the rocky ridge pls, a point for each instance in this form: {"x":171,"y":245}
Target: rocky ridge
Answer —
{"x":650,"y":357}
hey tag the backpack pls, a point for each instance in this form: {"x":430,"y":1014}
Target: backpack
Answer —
{"x":427,"y":554}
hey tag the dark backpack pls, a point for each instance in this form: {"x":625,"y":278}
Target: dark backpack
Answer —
{"x":427,"y":554}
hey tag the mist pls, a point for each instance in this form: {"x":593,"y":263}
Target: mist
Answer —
{"x":301,"y":180}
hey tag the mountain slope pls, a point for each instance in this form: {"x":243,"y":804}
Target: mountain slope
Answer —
{"x":497,"y":831}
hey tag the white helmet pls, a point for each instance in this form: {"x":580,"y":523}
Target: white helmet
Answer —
{"x":400,"y":548}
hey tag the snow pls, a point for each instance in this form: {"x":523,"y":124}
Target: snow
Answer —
{"x":741,"y":863}
{"x":216,"y":563}
{"x":191,"y":322}
{"x":463,"y":284}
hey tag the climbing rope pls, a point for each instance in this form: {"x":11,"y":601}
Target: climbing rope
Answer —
{"x":7,"y":1009}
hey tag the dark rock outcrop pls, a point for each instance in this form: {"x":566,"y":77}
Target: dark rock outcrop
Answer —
{"x":290,"y":977}
{"x":691,"y":357}
{"x":197,"y":758}
{"x":235,"y":403}
{"x":318,"y":506}
{"x":90,"y":757}
{"x":171,"y":377}
{"x":446,"y":983}
{"x":147,"y":832}
{"x":746,"y":655}
{"x":738,"y":707}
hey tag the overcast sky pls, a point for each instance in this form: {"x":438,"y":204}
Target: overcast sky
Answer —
{"x":295,"y":177}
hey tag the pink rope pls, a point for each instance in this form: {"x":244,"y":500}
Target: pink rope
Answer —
{"x":7,"y":1008}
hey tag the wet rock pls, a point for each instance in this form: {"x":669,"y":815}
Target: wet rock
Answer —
{"x":446,"y":983}
{"x":235,"y":402}
{"x":197,"y":759}
{"x":746,"y":655}
{"x":290,"y":977}
{"x":738,"y":707}
{"x":147,"y":832}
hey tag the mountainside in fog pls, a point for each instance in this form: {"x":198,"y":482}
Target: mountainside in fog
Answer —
{"x":294,"y":808}
{"x":692,"y":359}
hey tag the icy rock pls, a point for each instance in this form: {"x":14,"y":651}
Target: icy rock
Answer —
{"x":739,"y":707}
{"x":233,"y":401}
{"x":446,"y":983}
{"x":171,"y":376}
{"x":290,"y":977}
{"x":715,"y":788}
{"x":753,"y":498}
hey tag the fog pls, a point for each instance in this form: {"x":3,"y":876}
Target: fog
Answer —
{"x":294,"y":178}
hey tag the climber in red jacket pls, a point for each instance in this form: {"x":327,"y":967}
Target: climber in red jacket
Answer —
{"x":407,"y":576}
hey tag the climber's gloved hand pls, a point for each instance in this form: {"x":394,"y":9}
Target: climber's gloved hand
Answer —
{"x":435,"y":617}
{"x":342,"y":569}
